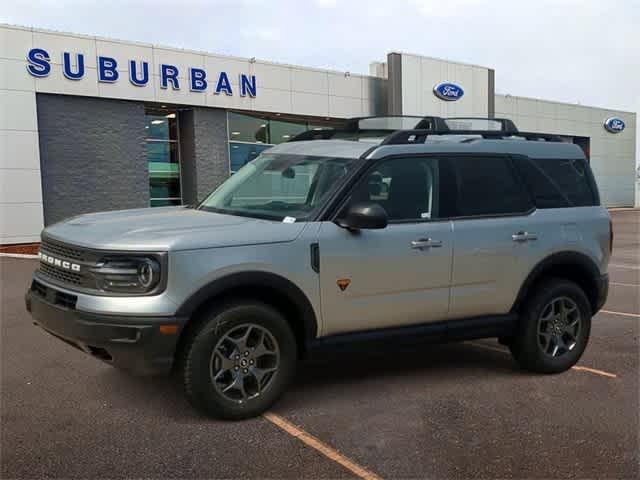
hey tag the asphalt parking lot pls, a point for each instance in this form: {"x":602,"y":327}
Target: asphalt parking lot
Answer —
{"x":447,"y":411}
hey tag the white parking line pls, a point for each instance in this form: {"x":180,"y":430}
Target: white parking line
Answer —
{"x":620,"y":265}
{"x":624,"y":314}
{"x":637,"y":285}
{"x":320,"y":446}
{"x":575,"y":367}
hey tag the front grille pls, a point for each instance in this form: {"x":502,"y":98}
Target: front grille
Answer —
{"x":61,"y":275}
{"x":66,"y":251}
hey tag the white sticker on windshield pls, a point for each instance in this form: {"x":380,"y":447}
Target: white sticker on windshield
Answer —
{"x":425,"y":215}
{"x":289,"y":220}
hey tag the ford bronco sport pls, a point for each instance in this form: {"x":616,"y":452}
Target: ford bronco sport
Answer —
{"x":452,"y":229}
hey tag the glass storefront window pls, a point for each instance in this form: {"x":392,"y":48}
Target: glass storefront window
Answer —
{"x":244,"y":128}
{"x":243,"y":153}
{"x":283,"y":131}
{"x":161,"y":127}
{"x":163,"y":158}
{"x":251,"y":135}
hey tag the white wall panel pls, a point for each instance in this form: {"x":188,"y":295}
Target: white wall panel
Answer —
{"x":56,"y":44}
{"x":272,"y":76}
{"x":268,"y":98}
{"x":56,"y":82}
{"x":18,"y":110}
{"x":15,"y":42}
{"x":345,"y":86}
{"x":125,"y":90}
{"x":20,"y":223}
{"x":310,"y":81}
{"x":20,"y":186}
{"x":310,"y":104}
{"x":345,"y":107}
{"x":124,"y":52}
{"x":14,"y":76}
{"x":19,"y":149}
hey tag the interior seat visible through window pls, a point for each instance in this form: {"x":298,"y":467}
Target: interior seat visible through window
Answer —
{"x":405,"y":187}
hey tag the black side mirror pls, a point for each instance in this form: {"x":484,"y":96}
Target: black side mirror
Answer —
{"x":364,"y":215}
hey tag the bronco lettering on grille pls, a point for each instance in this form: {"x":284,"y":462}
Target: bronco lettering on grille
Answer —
{"x":56,"y":262}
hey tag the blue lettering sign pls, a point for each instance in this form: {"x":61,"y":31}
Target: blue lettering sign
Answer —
{"x":223,"y":84}
{"x":133,"y":73}
{"x":107,"y":70}
{"x":169,"y":73}
{"x":247,"y":85}
{"x":74,"y":68}
{"x":67,"y":66}
{"x":39,"y":65}
{"x":198,"y":82}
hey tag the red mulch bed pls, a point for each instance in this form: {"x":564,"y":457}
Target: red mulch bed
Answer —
{"x":23,"y":248}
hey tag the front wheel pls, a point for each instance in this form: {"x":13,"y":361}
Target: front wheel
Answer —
{"x":554,"y":328}
{"x":240,"y":361}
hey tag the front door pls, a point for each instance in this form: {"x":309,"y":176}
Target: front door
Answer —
{"x":396,"y":276}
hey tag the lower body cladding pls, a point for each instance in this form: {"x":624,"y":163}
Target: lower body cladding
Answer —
{"x":140,"y":345}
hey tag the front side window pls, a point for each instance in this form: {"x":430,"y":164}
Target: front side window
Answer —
{"x":407,"y":188}
{"x":275,"y":186}
{"x":487,"y":186}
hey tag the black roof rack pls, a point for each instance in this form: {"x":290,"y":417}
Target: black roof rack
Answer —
{"x":383,"y":127}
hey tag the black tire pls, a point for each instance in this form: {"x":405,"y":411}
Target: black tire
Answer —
{"x":198,"y":364}
{"x":530,"y":348}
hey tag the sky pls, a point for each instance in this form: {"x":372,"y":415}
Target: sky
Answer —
{"x":579,"y":51}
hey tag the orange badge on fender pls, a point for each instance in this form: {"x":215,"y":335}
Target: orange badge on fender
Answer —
{"x":343,"y":283}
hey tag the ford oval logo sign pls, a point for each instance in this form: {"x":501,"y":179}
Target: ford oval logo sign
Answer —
{"x":449,"y":92}
{"x":614,"y":125}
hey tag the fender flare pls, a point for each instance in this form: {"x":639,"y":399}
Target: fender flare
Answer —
{"x":256,"y":279}
{"x":557,"y":259}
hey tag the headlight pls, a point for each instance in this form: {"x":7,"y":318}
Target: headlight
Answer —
{"x":127,"y":274}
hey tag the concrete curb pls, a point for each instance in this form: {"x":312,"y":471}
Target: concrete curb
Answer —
{"x":18,"y":255}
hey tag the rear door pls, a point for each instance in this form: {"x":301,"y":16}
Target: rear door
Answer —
{"x":494,"y":234}
{"x":394,"y":276}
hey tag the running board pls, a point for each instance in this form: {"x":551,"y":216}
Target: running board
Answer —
{"x":433,"y":332}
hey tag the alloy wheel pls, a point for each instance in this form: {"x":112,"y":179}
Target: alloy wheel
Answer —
{"x":244,"y":362}
{"x":559,"y":327}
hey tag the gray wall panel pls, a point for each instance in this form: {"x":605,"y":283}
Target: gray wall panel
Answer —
{"x":92,"y":155}
{"x":210,"y":150}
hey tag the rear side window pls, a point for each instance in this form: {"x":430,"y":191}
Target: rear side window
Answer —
{"x":488,"y":186}
{"x":557,"y":183}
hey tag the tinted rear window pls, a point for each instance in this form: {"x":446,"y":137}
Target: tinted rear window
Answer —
{"x":488,"y":186}
{"x":556,"y":183}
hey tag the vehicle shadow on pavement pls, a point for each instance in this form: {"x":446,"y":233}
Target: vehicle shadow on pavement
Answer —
{"x":347,"y":367}
{"x":325,"y":369}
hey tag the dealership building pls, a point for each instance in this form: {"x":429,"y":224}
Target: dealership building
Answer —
{"x":90,"y":124}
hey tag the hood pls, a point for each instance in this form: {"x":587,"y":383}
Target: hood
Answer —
{"x":169,"y":228}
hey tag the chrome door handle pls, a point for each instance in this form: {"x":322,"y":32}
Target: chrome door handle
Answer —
{"x":425,"y":243}
{"x":524,"y":237}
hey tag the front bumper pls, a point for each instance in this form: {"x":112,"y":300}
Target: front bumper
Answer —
{"x":135,"y":344}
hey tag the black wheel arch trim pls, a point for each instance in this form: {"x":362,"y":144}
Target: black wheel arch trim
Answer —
{"x":562,"y":258}
{"x":256,"y":279}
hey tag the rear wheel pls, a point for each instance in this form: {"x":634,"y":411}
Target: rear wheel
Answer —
{"x":554,"y":328}
{"x":240,"y":361}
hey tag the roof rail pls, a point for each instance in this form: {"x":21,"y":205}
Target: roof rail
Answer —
{"x":394,"y":131}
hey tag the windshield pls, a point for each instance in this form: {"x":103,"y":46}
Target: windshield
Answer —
{"x":279,"y":187}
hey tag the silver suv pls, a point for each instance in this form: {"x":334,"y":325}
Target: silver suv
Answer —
{"x":453,"y":229}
